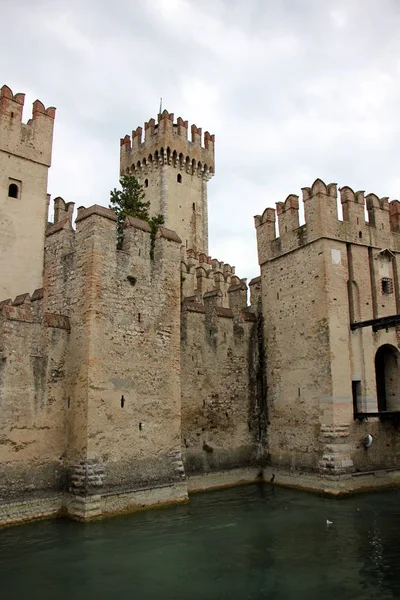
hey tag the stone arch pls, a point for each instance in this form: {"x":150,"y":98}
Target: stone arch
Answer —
{"x":387,"y":373}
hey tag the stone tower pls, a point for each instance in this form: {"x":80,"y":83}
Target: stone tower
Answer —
{"x":331,"y":307}
{"x":25,"y":157}
{"x":174,"y":173}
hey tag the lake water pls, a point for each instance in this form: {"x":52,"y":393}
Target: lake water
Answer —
{"x":249,"y":542}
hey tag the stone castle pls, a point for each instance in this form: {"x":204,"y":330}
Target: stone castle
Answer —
{"x":130,"y":378}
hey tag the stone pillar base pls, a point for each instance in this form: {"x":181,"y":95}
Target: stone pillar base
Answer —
{"x":84,"y":508}
{"x":336,"y":459}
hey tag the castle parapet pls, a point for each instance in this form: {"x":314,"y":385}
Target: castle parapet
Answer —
{"x":266,"y":233}
{"x":63,"y":210}
{"x":203,"y":277}
{"x":88,"y":258}
{"x":353,"y":204}
{"x":321,"y":220}
{"x":378,"y":212}
{"x":288,"y":214}
{"x":320,"y":207}
{"x":394,"y":215}
{"x":32,"y":140}
{"x":96,"y":209}
{"x":166,"y":142}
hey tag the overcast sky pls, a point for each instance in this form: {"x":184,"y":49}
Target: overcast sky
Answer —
{"x":293,"y":90}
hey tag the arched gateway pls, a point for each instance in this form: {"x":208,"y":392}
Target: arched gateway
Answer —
{"x":387,"y":372}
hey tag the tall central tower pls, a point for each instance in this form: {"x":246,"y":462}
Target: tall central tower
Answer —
{"x":174,"y":173}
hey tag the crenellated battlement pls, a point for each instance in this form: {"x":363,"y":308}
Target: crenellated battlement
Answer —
{"x":29,"y":309}
{"x":63,"y":210}
{"x":71,"y":252}
{"x":205,"y":279}
{"x":321,"y":220}
{"x":32,"y":140}
{"x":166,"y":143}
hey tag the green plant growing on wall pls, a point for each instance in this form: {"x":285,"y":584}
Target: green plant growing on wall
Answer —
{"x":129,"y":201}
{"x":154,"y":223}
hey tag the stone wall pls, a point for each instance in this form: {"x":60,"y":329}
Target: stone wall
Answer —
{"x":33,"y":403}
{"x":297,"y":355}
{"x":317,"y":280}
{"x":221,"y":427}
{"x":124,"y":357}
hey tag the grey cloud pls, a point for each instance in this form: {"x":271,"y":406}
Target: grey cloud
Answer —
{"x":293,"y":90}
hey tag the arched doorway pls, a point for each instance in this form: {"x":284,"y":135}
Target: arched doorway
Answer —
{"x":387,"y":372}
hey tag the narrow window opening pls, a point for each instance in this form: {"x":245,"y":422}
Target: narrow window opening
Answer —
{"x":140,"y":427}
{"x":356,"y":391}
{"x":69,"y":402}
{"x":277,"y":295}
{"x":358,"y":221}
{"x":194,"y":206}
{"x":298,"y":392}
{"x":12,"y":115}
{"x":122,"y":402}
{"x":13,"y":190}
{"x":146,"y":183}
{"x":285,"y":228}
{"x":139,"y":251}
{"x":387,"y":285}
{"x":360,"y":235}
{"x":179,"y":178}
{"x":139,"y":317}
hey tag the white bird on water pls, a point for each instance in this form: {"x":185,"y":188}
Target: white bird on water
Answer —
{"x":328,"y":522}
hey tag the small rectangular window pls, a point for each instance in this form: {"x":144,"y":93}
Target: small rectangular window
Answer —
{"x":387,"y":285}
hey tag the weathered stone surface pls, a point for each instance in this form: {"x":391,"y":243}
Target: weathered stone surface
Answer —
{"x":124,"y":372}
{"x":315,"y":280}
{"x":25,"y":157}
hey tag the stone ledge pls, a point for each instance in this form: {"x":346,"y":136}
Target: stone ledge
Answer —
{"x":168,"y":234}
{"x":333,"y":485}
{"x":221,"y":479}
{"x":96,"y":209}
{"x":135,"y":223}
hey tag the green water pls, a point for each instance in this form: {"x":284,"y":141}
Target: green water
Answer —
{"x":249,"y":542}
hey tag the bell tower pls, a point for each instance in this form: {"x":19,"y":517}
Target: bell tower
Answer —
{"x":174,"y":173}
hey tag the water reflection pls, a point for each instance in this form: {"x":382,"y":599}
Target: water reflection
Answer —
{"x":250,"y":542}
